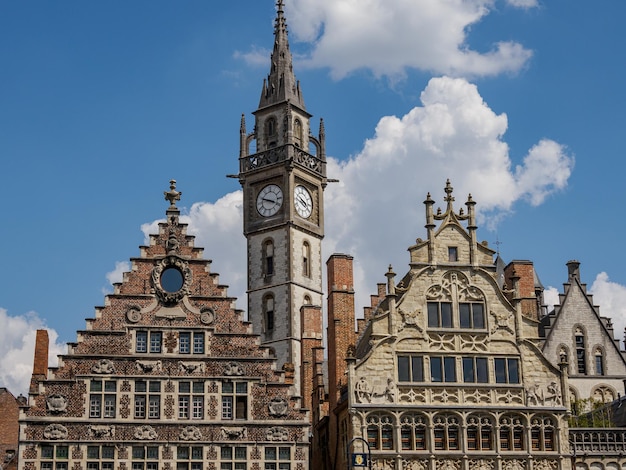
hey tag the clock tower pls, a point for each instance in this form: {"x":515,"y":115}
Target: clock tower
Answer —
{"x":282,"y":169}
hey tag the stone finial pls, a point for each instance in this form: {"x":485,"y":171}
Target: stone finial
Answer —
{"x":172,"y":195}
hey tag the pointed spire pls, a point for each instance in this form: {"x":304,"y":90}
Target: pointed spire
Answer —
{"x":281,"y":84}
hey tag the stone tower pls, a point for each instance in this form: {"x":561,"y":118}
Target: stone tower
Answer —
{"x":283,"y":179}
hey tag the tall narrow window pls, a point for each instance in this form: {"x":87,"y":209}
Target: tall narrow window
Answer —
{"x":453,"y":254}
{"x":579,"y":339}
{"x":475,"y":370}
{"x":446,"y":432}
{"x":380,"y":432}
{"x":440,"y":314}
{"x":268,"y":258}
{"x":268,"y":307}
{"x":511,"y":434}
{"x":234,"y":400}
{"x":102,"y":400}
{"x":471,"y":315}
{"x":271,"y":132}
{"x":306,"y":259}
{"x":599,"y":362}
{"x":297,"y":133}
{"x":411,"y":368}
{"x":507,"y":370}
{"x":442,"y":369}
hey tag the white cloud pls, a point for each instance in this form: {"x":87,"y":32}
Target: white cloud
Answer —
{"x":17,"y":349}
{"x":116,"y":275}
{"x":551,"y":297}
{"x":611,"y":297}
{"x":523,"y":3}
{"x":387,"y":37}
{"x":455,"y":135}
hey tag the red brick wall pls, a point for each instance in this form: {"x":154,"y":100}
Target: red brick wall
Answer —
{"x":525,"y":271}
{"x":9,"y":429}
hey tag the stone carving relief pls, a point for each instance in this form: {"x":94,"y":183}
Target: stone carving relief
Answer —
{"x":412,"y":319}
{"x":454,"y":281}
{"x":503,"y":320}
{"x":384,"y":464}
{"x":191,"y":367}
{"x":545,"y":464}
{"x":102,"y":430}
{"x":278,"y":407}
{"x":233,"y":368}
{"x":415,"y":464}
{"x":445,"y":396}
{"x":538,"y":396}
{"x":169,"y":298}
{"x":145,"y":432}
{"x":481,"y":464}
{"x":55,"y":431}
{"x":508,"y":397}
{"x":148,"y":366}
{"x":442,"y":342}
{"x":448,"y":464}
{"x":103,"y":366}
{"x":133,"y":315}
{"x":474,"y":343}
{"x":190,"y":433}
{"x":56,"y":403}
{"x":277,"y":434}
{"x":207,"y":316}
{"x":365,"y":393}
{"x":234,"y":433}
{"x":514,"y":464}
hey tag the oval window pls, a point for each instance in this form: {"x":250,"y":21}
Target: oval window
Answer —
{"x":172,"y":280}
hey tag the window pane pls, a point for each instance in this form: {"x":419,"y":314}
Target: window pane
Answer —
{"x":468,"y":369}
{"x":513,"y":371}
{"x":403,"y":369}
{"x":446,"y":315}
{"x":478,"y":316}
{"x":284,"y":453}
{"x":227,"y":387}
{"x":198,"y":343}
{"x":449,"y":363}
{"x":93,"y":452}
{"x":433,"y":314}
{"x":464,"y":316}
{"x":140,"y":386}
{"x":270,"y":453}
{"x":198,"y":387}
{"x":155,"y":386}
{"x":141,"y":345}
{"x":417,"y":363}
{"x":500,"y":366}
{"x":184,"y":387}
{"x":155,"y":342}
{"x":184,"y":343}
{"x":110,"y":386}
{"x":227,"y":407}
{"x":242,"y":387}
{"x":436,"y":374}
{"x":95,"y":386}
{"x":108,"y":452}
{"x":482,"y":374}
{"x":226,"y":453}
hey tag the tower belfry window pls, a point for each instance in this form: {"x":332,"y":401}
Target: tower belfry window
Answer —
{"x":579,"y":340}
{"x":269,"y":313}
{"x":297,"y":133}
{"x":306,"y":259}
{"x":268,"y":258}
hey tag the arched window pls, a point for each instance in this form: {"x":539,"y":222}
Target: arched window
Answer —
{"x":268,"y":309}
{"x":307,"y":300}
{"x":579,"y":341}
{"x":542,"y":434}
{"x":413,"y":432}
{"x":446,"y":432}
{"x":271,"y":132}
{"x":479,"y":433}
{"x":512,"y":433}
{"x":306,"y":259}
{"x":599,"y":361}
{"x":297,"y":133}
{"x":268,"y":258}
{"x":380,"y":432}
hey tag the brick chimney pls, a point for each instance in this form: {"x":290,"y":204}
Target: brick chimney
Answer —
{"x":524,"y":288}
{"x":40,"y":363}
{"x":341,"y":326}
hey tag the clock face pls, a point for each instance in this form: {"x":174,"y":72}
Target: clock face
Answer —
{"x":269,"y":200}
{"x":303,"y":202}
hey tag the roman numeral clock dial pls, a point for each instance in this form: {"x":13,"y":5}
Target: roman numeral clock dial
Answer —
{"x":303,"y":201}
{"x":269,"y":200}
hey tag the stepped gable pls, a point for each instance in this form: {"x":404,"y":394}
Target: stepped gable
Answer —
{"x":170,"y":291}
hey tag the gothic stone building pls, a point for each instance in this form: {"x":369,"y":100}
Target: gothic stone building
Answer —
{"x":447,"y":371}
{"x":167,"y":376}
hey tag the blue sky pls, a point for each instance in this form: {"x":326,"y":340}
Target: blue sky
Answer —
{"x":520,"y":102}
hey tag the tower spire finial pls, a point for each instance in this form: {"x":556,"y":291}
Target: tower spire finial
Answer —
{"x":281,"y":84}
